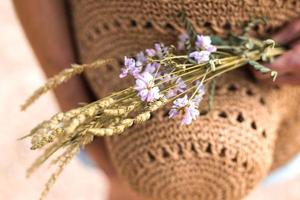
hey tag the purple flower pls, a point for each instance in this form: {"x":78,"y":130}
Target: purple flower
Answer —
{"x":157,"y":47}
{"x":144,"y":84}
{"x":200,"y":56}
{"x":141,"y":57}
{"x":180,"y":87}
{"x":129,"y":62}
{"x":181,"y":102}
{"x":150,"y":52}
{"x":197,"y":99}
{"x":177,"y":105}
{"x":159,"y":50}
{"x":200,"y":93}
{"x":171,"y":93}
{"x":190,"y":113}
{"x":124,"y":72}
{"x":129,"y":67}
{"x":204,"y":43}
{"x":173,"y":113}
{"x":136,"y":71}
{"x":211,"y":48}
{"x":200,"y":87}
{"x":152,"y":67}
{"x":182,"y":40}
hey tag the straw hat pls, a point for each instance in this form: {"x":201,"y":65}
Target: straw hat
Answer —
{"x":227,"y":151}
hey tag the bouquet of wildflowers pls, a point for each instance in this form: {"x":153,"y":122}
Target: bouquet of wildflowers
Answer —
{"x":164,"y":76}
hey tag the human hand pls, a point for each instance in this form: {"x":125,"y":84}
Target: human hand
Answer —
{"x":287,"y":65}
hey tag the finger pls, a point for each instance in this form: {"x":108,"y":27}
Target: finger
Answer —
{"x":288,"y":62}
{"x":296,"y":44}
{"x":260,"y":75}
{"x":288,"y":79}
{"x":289,"y":33}
{"x":292,"y":79}
{"x":266,"y":76}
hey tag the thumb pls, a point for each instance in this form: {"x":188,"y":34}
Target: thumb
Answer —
{"x":288,"y":33}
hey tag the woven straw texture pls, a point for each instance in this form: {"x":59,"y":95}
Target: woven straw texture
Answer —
{"x":225,"y":153}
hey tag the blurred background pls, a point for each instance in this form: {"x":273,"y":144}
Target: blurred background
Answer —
{"x":19,"y":76}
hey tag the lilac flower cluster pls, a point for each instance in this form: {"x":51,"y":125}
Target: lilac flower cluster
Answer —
{"x":180,"y":87}
{"x":146,"y":72}
{"x":182,"y":39}
{"x":188,"y":106}
{"x":159,"y":50}
{"x":146,"y":87}
{"x":131,"y":67}
{"x":204,"y":48}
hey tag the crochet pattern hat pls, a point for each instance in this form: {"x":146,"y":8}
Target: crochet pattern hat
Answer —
{"x":227,"y":151}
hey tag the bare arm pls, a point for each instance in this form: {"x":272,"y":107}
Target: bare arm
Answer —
{"x":46,"y":27}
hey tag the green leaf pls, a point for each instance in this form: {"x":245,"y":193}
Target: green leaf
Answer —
{"x":216,"y":40}
{"x":236,"y":41}
{"x":263,"y":69}
{"x":249,"y":45}
{"x":259,"y":67}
